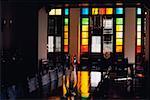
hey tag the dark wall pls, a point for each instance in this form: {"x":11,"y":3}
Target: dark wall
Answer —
{"x":20,"y":39}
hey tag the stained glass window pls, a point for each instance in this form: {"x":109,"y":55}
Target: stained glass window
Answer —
{"x":85,"y":21}
{"x":102,"y":11}
{"x":139,"y":11}
{"x":96,"y":44}
{"x":50,"y":44}
{"x":94,"y":11}
{"x":119,"y":28}
{"x":118,"y":48}
{"x":66,"y":11}
{"x":85,"y":11}
{"x":109,"y":10}
{"x":119,"y":20}
{"x":119,"y":10}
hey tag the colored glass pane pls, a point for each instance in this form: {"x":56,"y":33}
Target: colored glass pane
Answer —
{"x":119,"y":20}
{"x":119,"y":41}
{"x":94,"y":11}
{"x":119,"y":10}
{"x":66,"y":28}
{"x":66,"y":11}
{"x":58,"y":12}
{"x":52,"y":12}
{"x":102,"y":11}
{"x":138,"y":27}
{"x":139,"y":42}
{"x":65,"y":34}
{"x":84,"y":48}
{"x":66,"y":21}
{"x":139,"y":11}
{"x":109,"y":10}
{"x":119,"y":27}
{"x":84,"y":34}
{"x":138,"y":21}
{"x":84,"y":27}
{"x":85,"y":21}
{"x":84,"y":41}
{"x":65,"y":48}
{"x":85,"y":11}
{"x":85,"y":84}
{"x":118,"y":48}
{"x":65,"y":41}
{"x":119,"y":34}
{"x":138,"y":34}
{"x":138,"y":49}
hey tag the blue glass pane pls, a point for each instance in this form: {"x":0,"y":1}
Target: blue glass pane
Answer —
{"x":138,"y":11}
{"x":119,"y":10}
{"x":66,"y":11}
{"x":85,"y":11}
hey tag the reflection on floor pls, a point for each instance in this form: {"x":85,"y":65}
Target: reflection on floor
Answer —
{"x":89,"y":85}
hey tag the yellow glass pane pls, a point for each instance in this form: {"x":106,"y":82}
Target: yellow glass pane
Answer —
{"x":138,"y":42}
{"x":119,"y":41}
{"x":84,"y":34}
{"x":85,"y":84}
{"x":58,"y":11}
{"x":65,"y":34}
{"x":94,"y":11}
{"x":85,"y":28}
{"x":66,"y":28}
{"x":109,"y":10}
{"x":119,"y":28}
{"x":52,"y":12}
{"x":118,"y":48}
{"x":84,"y":41}
{"x":65,"y":41}
{"x":119,"y":34}
{"x":138,"y":34}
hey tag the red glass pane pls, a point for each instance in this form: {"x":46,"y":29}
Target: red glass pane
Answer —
{"x":65,"y":48}
{"x":138,"y":49}
{"x":102,"y":11}
{"x":84,"y":48}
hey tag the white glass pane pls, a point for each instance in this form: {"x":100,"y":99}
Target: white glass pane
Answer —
{"x":58,"y":11}
{"x":95,"y":78}
{"x":50,"y":44}
{"x":108,"y":23}
{"x":58,"y":44}
{"x":52,"y":12}
{"x":138,"y":27}
{"x":96,"y":44}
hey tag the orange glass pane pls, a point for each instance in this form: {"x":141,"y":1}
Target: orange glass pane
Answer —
{"x":102,"y":11}
{"x":84,"y":41}
{"x":119,"y":41}
{"x":118,"y":48}
{"x":94,"y":11}
{"x":119,"y":28}
{"x":65,"y":48}
{"x":84,"y":48}
{"x":65,"y":34}
{"x":85,"y":28}
{"x":66,"y":28}
{"x":65,"y":41}
{"x":84,"y":34}
{"x":138,"y":49}
{"x":109,"y":10}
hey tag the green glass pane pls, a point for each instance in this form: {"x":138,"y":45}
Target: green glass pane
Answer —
{"x":119,"y":20}
{"x":66,"y":21}
{"x":85,"y":21}
{"x":139,"y":21}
